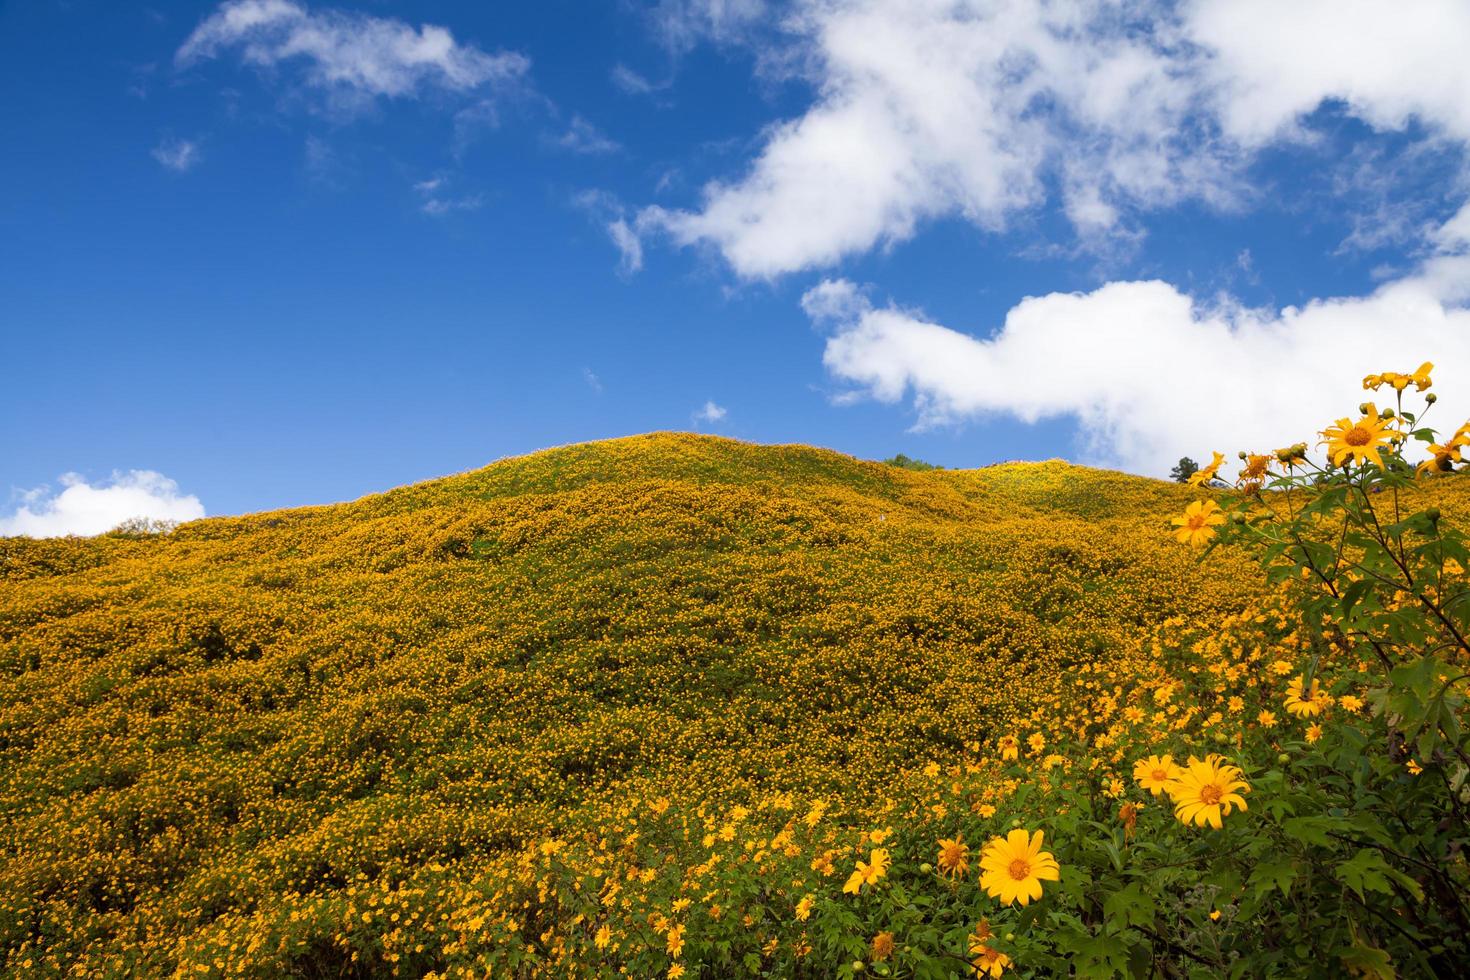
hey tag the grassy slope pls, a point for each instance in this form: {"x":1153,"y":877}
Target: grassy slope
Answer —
{"x":268,"y":706}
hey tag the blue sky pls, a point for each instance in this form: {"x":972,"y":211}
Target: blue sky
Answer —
{"x":267,"y":253}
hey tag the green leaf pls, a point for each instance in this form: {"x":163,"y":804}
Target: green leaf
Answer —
{"x":1311,"y":830}
{"x":1366,"y":961}
{"x":1128,"y":907}
{"x":1366,"y":871}
{"x":1272,"y":876}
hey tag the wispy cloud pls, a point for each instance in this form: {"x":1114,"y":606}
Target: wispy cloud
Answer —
{"x":435,"y":200}
{"x":593,"y":381}
{"x":631,"y":82}
{"x":178,"y":155}
{"x":84,"y":508}
{"x":354,"y":58}
{"x":608,"y":212}
{"x":583,"y":137}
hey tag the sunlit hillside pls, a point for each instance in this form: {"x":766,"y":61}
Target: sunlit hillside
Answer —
{"x":354,"y":739}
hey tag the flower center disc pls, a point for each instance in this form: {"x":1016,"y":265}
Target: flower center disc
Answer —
{"x":1020,"y":869}
{"x":1160,"y":775}
{"x":1357,"y":436}
{"x":1209,"y":795}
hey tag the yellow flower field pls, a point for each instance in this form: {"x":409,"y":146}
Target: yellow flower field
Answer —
{"x":656,"y":706}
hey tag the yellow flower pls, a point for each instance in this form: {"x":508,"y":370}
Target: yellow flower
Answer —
{"x":868,"y":872}
{"x":1303,"y":705}
{"x":1421,"y":377}
{"x":603,"y":937}
{"x":1198,"y":524}
{"x":1203,"y":476}
{"x":954,"y":857}
{"x":676,"y":971}
{"x":1256,"y":469}
{"x":1282,"y":667}
{"x":1267,"y":719}
{"x":1413,"y":767}
{"x":1156,"y":773}
{"x":882,"y":947}
{"x":1037,"y":742}
{"x":1206,"y":791}
{"x":1358,"y":441}
{"x":1009,"y":748}
{"x":988,"y":961}
{"x":1314,"y":732}
{"x":1128,"y":815}
{"x":804,"y":908}
{"x":1442,"y":459}
{"x":1013,"y":867}
{"x":1350,"y":702}
{"x":675,"y":944}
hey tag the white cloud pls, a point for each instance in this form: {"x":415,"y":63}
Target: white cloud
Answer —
{"x":710,"y":413}
{"x":593,"y":381}
{"x":438,"y":204}
{"x":178,"y":155}
{"x":633,"y":83}
{"x":1390,"y":62}
{"x":354,"y":57}
{"x":583,"y":137}
{"x":630,"y":247}
{"x":1150,"y":374}
{"x":84,"y":508}
{"x":681,"y":24}
{"x":982,"y":108}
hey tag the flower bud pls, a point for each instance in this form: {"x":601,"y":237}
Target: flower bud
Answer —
{"x":1431,"y":398}
{"x":1363,"y":408}
{"x":1010,"y":937}
{"x":926,"y":867}
{"x":1240,"y":455}
{"x":858,"y":966}
{"x":1283,"y":758}
{"x":1387,"y":413}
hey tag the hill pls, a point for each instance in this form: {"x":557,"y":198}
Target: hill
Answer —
{"x":340,"y":740}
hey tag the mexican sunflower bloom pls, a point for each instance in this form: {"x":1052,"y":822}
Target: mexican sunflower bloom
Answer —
{"x":882,"y":947}
{"x":1207,"y":790}
{"x":1206,"y":474}
{"x":954,"y":858}
{"x":1010,"y":749}
{"x":1305,"y":704}
{"x":1442,"y":459}
{"x":1358,"y":441}
{"x":1013,"y":867}
{"x":868,"y":872}
{"x":1156,"y":773}
{"x":1198,"y":524}
{"x":988,"y":961}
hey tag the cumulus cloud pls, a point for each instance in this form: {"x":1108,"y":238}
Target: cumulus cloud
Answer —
{"x":982,"y":108}
{"x":1150,"y":374}
{"x":710,"y":413}
{"x":84,"y":508}
{"x":178,"y":155}
{"x":354,"y":57}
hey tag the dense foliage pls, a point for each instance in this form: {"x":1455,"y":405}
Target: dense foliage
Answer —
{"x":673,"y":705}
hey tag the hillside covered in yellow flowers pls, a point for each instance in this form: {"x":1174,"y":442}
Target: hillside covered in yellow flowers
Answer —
{"x":524,"y":720}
